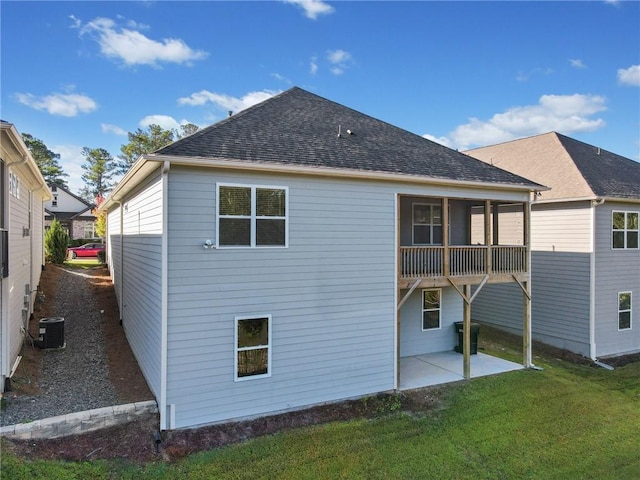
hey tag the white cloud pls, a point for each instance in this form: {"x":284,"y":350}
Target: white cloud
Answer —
{"x":561,"y":113}
{"x":130,"y":46}
{"x":339,"y":59}
{"x":281,"y":78}
{"x":226,"y":102}
{"x":441,"y":140}
{"x":63,"y":104}
{"x":108,"y":128}
{"x":165,"y":121}
{"x":312,"y":8}
{"x":313,"y":65}
{"x":577,"y":63}
{"x":629,"y":76}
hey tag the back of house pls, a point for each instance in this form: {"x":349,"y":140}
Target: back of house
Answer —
{"x":584,"y":241}
{"x":292,"y":254}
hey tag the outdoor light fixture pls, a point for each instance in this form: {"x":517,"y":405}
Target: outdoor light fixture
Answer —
{"x":208,"y":244}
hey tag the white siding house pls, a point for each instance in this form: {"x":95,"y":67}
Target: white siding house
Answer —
{"x":261,"y":268}
{"x":584,"y":240}
{"x":23,"y":192}
{"x":74,"y":213}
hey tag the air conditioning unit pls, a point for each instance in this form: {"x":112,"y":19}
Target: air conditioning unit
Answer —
{"x":51,"y":331}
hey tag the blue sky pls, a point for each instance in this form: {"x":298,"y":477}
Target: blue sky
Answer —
{"x":467,"y":74}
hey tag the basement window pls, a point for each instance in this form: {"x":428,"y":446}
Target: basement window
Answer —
{"x":253,"y":347}
{"x":431,"y":308}
{"x":624,"y":311}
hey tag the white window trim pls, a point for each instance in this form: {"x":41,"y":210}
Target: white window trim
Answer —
{"x":621,"y":311}
{"x":431,"y":225}
{"x":439,"y":309}
{"x":253,"y":217}
{"x":625,"y":212}
{"x":236,"y":378}
{"x":14,"y":185}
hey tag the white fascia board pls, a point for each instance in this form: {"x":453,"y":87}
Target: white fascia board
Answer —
{"x":218,"y":162}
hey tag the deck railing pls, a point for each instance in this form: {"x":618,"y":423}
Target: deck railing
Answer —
{"x":421,"y":262}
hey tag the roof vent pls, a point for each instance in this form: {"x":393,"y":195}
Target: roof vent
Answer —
{"x":598,"y":150}
{"x":230,"y":112}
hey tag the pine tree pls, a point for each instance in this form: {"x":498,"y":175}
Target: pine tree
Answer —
{"x":154,"y":138}
{"x":46,"y":160}
{"x":99,"y":169}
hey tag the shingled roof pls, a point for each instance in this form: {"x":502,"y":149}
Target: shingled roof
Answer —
{"x":300,"y":128}
{"x":571,"y":168}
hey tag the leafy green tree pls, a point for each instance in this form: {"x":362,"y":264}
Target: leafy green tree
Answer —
{"x":147,"y":141}
{"x":99,"y":170}
{"x":187,"y":129}
{"x":56,"y":240}
{"x":47,"y":161}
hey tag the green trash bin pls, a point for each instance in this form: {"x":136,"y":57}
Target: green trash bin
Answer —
{"x":475,"y":329}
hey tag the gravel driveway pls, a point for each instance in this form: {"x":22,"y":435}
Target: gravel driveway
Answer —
{"x":74,"y":378}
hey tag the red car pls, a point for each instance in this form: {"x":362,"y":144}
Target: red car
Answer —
{"x":86,"y":250}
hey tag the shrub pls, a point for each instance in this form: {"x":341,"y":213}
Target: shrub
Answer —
{"x":102,"y":256}
{"x":55,"y":243}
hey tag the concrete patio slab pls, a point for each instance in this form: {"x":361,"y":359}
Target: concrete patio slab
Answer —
{"x":445,"y":367}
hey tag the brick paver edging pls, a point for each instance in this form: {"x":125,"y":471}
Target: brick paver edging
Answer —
{"x":79,"y":422}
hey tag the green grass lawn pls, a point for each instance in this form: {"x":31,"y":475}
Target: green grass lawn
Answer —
{"x":568,"y":421}
{"x":82,"y":262}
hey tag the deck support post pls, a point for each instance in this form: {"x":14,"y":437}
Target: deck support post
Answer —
{"x":466,"y":329}
{"x":446,"y":264}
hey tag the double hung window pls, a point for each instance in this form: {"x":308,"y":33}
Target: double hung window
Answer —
{"x":624,"y":227}
{"x":253,"y":347}
{"x":431,"y":308}
{"x":252,"y":216}
{"x":427,"y":224}
{"x":624,"y":310}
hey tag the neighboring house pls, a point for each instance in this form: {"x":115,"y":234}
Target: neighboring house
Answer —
{"x":23,"y":192}
{"x":584,"y":241}
{"x":294,"y":253}
{"x":73,"y":212}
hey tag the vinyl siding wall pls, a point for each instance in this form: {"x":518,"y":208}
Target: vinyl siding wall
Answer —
{"x":415,"y":341}
{"x":331,"y":295}
{"x":139,"y":285}
{"x":26,"y":258}
{"x":560,"y":281}
{"x":615,"y":271}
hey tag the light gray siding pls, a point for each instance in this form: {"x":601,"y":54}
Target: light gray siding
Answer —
{"x":415,"y":341}
{"x":559,"y":301}
{"x":139,"y":285}
{"x":615,"y":271}
{"x":330,"y":294}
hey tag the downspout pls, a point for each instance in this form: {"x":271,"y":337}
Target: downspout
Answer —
{"x":592,"y":280}
{"x":165,"y":304}
{"x":121,"y":269}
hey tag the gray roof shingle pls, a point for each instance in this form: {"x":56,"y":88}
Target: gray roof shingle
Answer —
{"x":300,"y":128}
{"x":608,"y":174}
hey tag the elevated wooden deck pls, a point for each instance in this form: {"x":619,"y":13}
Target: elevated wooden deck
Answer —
{"x":437,"y":266}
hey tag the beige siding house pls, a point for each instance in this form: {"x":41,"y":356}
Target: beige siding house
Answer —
{"x":23,"y":192}
{"x":584,"y":241}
